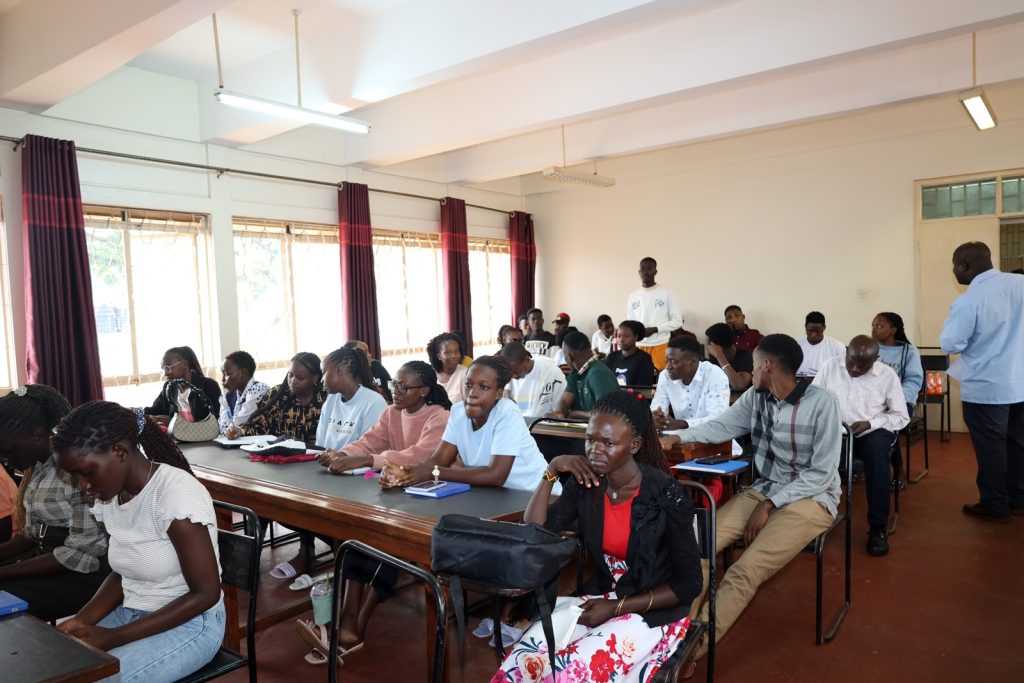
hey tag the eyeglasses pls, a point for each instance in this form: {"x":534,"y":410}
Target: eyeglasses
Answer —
{"x":402,"y":388}
{"x":168,"y":368}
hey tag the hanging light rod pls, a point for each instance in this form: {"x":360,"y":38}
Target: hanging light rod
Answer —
{"x":974,"y":100}
{"x":280,"y":109}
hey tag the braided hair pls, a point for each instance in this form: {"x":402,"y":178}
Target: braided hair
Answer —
{"x":308,"y":360}
{"x":98,"y":425}
{"x":896,"y":320}
{"x":634,"y":410}
{"x":437,"y":396}
{"x":434,"y":348}
{"x":353,"y":360}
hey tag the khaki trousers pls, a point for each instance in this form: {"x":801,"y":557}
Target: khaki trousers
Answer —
{"x":788,"y":531}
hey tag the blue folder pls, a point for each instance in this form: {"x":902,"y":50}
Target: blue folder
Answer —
{"x":9,"y":604}
{"x":450,"y":488}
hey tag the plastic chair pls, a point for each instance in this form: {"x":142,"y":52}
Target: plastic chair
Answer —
{"x":240,"y":568}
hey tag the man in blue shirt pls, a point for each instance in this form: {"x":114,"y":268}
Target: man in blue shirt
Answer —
{"x":986,"y":327}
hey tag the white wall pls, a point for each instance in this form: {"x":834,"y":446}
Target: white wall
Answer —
{"x":816,"y":216}
{"x":106,"y":180}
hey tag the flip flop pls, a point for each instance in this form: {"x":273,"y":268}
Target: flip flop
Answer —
{"x":305,"y":581}
{"x":510,"y":635}
{"x":315,"y":658}
{"x":485,"y":629}
{"x":283,"y":571}
{"x":317,"y":637}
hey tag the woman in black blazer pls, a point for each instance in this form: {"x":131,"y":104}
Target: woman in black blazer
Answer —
{"x":181,"y":365}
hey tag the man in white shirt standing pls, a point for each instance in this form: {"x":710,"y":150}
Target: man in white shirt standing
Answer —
{"x":817,"y":346}
{"x":696,"y":390}
{"x":871,"y":402}
{"x":656,"y":307}
{"x":537,"y":381}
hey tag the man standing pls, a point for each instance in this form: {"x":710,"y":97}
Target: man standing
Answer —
{"x":871,"y":401}
{"x":817,"y":346}
{"x":986,"y":327}
{"x":656,"y":307}
{"x":538,"y":340}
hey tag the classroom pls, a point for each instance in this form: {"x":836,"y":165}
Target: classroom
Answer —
{"x":361,"y":225}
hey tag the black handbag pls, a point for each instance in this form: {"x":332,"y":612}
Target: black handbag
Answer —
{"x":502,"y":555}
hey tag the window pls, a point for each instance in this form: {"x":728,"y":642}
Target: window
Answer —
{"x":288,"y":279}
{"x":8,"y":378}
{"x":151,"y":291}
{"x":975,"y":198}
{"x":1013,"y":195}
{"x":1011,"y":244}
{"x":490,"y":276}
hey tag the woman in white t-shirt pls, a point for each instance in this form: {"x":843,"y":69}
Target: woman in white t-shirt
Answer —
{"x":160,"y":611}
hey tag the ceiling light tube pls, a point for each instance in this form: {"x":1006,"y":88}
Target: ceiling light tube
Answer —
{"x":287,"y":111}
{"x":978,"y":108}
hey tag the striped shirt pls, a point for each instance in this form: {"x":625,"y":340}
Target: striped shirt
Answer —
{"x":797,"y":441}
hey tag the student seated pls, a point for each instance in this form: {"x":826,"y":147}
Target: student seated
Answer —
{"x":537,"y":340}
{"x":694,"y":389}
{"x":562,"y":328}
{"x":589,"y":380}
{"x":537,"y":382}
{"x":242,"y":393}
{"x":896,"y":351}
{"x":180,"y":363}
{"x":160,"y":611}
{"x":747,"y":338}
{"x":57,"y":557}
{"x":523,"y":323}
{"x":796,"y":436}
{"x":620,"y":497}
{"x":603,"y":339}
{"x":737,"y":364}
{"x":817,"y":347}
{"x":292,"y":408}
{"x":380,"y":374}
{"x":486,"y":442}
{"x":508,"y":334}
{"x":871,"y":403}
{"x":630,"y":364}
{"x":446,"y":352}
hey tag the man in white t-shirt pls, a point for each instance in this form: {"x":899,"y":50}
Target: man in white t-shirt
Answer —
{"x":656,"y":307}
{"x":537,"y":381}
{"x":817,"y":346}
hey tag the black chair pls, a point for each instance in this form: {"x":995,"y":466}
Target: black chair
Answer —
{"x":240,"y":568}
{"x":932,"y":363}
{"x":437,"y":674}
{"x":706,"y":531}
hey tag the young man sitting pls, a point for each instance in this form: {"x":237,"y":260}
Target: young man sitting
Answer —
{"x":538,"y":340}
{"x":590,"y":378}
{"x":738,"y":365}
{"x":537,"y":382}
{"x":817,"y":346}
{"x":871,"y":402}
{"x":602,"y":340}
{"x":796,"y":436}
{"x":747,"y":338}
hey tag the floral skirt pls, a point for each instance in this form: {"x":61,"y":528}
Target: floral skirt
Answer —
{"x":621,"y":649}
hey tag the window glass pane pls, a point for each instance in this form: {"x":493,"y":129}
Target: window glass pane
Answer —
{"x":407,"y":267}
{"x":976,"y":198}
{"x":1013,"y":189}
{"x":490,"y":276}
{"x":928,"y":199}
{"x":264,"y":324}
{"x":8,"y":378}
{"x":318,"y":311}
{"x":110,"y":299}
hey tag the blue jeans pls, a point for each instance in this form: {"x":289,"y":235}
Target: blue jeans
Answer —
{"x":170,"y":655}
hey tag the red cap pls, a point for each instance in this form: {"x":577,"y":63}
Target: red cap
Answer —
{"x":562,"y":316}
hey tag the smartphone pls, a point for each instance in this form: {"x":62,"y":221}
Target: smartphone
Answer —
{"x":716,"y":460}
{"x":430,"y":485}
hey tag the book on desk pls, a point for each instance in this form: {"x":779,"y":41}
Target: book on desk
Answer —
{"x":9,"y":604}
{"x":727,"y":467}
{"x":441,"y":489}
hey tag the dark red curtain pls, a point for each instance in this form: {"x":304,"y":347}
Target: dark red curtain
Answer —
{"x":358,"y":282}
{"x":61,"y":347}
{"x":455,"y":262}
{"x":524,"y":262}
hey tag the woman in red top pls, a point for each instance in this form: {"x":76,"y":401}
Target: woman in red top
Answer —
{"x":636,"y":524}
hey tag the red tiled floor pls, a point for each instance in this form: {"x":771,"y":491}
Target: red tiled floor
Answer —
{"x":945,"y":605}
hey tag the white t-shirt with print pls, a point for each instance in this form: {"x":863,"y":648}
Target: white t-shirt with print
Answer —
{"x":538,"y":393}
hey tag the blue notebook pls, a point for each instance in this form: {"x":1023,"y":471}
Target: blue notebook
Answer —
{"x":445,"y":488}
{"x":727,"y":467}
{"x":9,"y":604}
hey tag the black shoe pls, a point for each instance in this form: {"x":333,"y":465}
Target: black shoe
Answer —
{"x":981,"y":512}
{"x":878,"y":545}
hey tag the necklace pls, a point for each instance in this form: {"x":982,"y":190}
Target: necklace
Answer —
{"x":120,"y":496}
{"x":615,"y":491}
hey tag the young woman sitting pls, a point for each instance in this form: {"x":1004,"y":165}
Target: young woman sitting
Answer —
{"x":353,"y":404}
{"x":446,"y":353}
{"x":181,"y":366}
{"x":896,"y":351}
{"x":242,"y":393}
{"x":160,"y":611}
{"x":292,"y":408}
{"x":631,"y":364}
{"x":636,"y":523}
{"x":380,"y":374}
{"x":57,"y":557}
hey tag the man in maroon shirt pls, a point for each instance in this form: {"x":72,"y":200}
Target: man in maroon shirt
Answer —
{"x":746,"y":337}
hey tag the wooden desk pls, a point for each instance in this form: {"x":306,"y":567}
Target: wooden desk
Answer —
{"x":32,"y":651}
{"x":305,"y":496}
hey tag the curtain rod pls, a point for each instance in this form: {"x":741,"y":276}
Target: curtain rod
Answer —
{"x":256,"y":174}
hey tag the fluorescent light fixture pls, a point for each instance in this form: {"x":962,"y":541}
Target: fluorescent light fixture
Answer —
{"x":287,"y":111}
{"x":978,"y":107}
{"x":563,"y":175}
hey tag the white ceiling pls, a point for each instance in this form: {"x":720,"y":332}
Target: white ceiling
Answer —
{"x":477,"y":90}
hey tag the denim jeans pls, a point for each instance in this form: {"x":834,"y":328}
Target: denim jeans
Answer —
{"x":170,"y":655}
{"x":875,"y":449}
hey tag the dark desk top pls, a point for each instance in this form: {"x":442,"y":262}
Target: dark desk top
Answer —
{"x":480,"y":501}
{"x":32,"y":651}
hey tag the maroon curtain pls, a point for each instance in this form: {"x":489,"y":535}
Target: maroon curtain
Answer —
{"x":455,"y":262}
{"x":358,"y":282}
{"x":524,"y":262}
{"x":61,"y":347}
